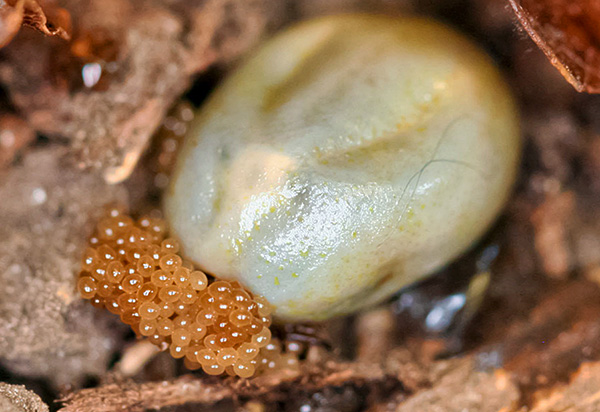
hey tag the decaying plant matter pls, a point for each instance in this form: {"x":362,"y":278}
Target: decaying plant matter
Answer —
{"x":94,"y":102}
{"x":107,"y":90}
{"x":33,"y":14}
{"x":567,"y":32}
{"x":16,"y":398}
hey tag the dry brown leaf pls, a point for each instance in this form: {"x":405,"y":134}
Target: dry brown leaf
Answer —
{"x":49,"y":20}
{"x":17,"y":13}
{"x":568,"y":32}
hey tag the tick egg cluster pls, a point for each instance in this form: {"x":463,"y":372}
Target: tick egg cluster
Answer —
{"x":132,"y":269}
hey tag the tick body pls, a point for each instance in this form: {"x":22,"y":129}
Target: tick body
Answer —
{"x":348,"y":157}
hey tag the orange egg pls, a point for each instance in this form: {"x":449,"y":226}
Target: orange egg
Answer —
{"x":134,"y":270}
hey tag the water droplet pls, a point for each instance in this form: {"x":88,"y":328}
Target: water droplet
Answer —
{"x":38,"y":196}
{"x":91,"y":73}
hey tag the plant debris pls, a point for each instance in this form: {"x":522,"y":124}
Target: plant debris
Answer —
{"x":46,"y":212}
{"x":567,"y":32}
{"x":30,"y":13}
{"x":580,"y":395}
{"x":279,"y":385}
{"x":15,"y":135}
{"x":550,"y":222}
{"x":107,"y":91}
{"x":16,"y":398}
{"x":535,"y":342}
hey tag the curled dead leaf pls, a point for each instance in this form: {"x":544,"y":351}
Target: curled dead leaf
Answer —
{"x":50,"y":20}
{"x":568,"y":32}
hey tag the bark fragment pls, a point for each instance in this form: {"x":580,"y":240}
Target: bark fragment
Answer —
{"x":16,"y":398}
{"x":46,"y":212}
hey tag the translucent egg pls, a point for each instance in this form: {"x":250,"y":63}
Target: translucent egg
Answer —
{"x":172,"y":306}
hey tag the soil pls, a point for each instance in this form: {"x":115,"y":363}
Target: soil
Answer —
{"x":93,"y":103}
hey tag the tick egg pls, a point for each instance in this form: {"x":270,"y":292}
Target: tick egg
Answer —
{"x":349,"y":157}
{"x":174,"y":310}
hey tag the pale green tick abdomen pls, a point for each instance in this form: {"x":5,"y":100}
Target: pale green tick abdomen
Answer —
{"x":349,"y":157}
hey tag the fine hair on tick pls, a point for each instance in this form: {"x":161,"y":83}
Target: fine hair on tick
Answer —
{"x":419,"y":173}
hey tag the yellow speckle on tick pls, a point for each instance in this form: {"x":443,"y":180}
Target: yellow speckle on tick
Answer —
{"x":276,"y":281}
{"x":239,"y":245}
{"x":294,"y":275}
